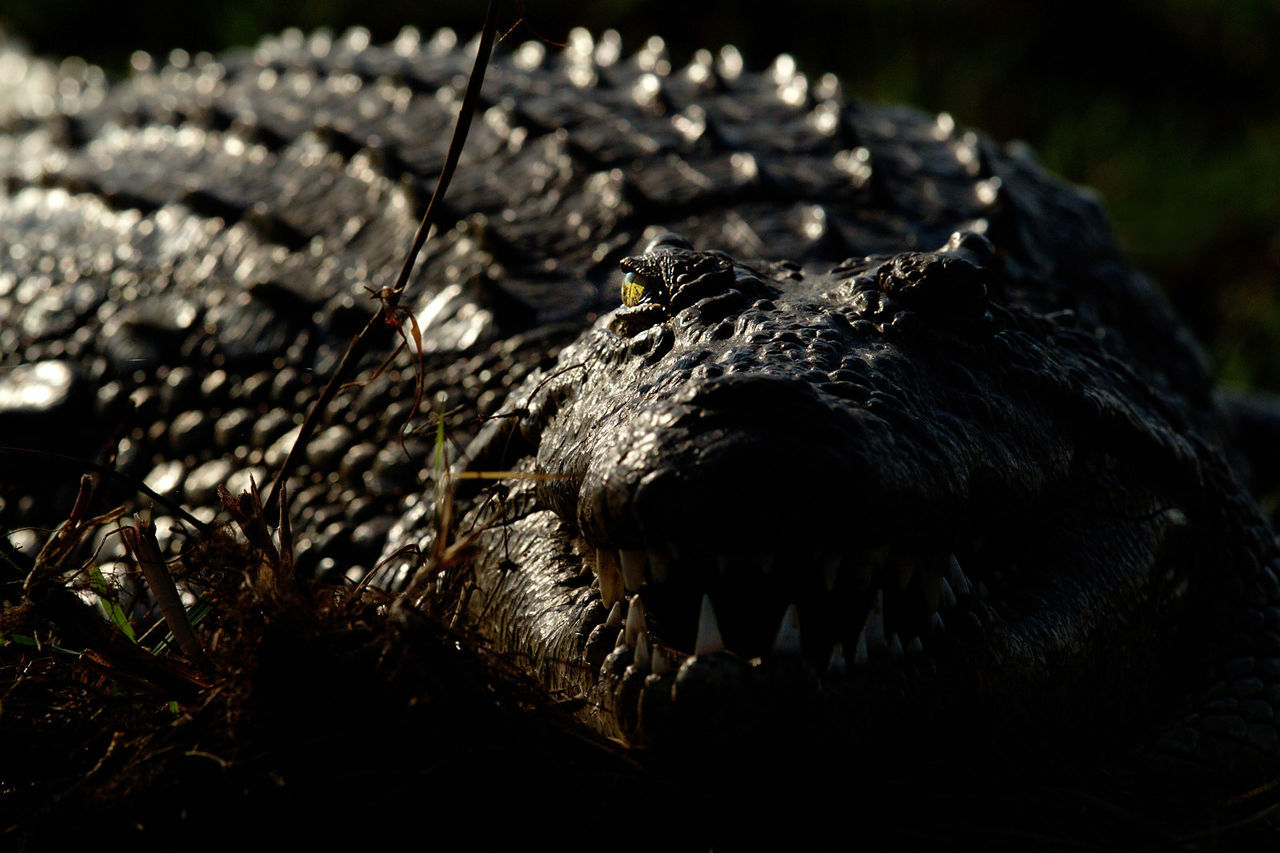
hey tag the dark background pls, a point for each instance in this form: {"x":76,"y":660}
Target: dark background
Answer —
{"x":1170,"y":108}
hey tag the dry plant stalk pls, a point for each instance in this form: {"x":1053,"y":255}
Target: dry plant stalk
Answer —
{"x":389,"y":298}
{"x":140,"y":539}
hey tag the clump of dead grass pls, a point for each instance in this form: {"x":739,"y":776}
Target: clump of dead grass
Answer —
{"x":306,"y":705}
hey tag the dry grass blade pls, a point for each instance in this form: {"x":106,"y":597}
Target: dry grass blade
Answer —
{"x":276,"y":568}
{"x":285,"y":533}
{"x":140,"y":539}
{"x":247,"y":512}
{"x":48,"y":600}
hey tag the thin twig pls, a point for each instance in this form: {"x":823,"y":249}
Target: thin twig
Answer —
{"x":390,"y":298}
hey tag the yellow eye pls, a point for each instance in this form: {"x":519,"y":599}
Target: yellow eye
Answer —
{"x":633,"y":289}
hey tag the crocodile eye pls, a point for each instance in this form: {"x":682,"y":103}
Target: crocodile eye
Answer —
{"x":634,"y":289}
{"x":644,"y":302}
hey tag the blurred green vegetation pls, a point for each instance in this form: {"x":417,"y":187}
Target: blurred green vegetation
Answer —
{"x":1170,"y":108}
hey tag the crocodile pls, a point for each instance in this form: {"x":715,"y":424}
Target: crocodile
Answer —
{"x":886,"y":438}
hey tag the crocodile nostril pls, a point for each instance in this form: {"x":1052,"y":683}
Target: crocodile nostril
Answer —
{"x":936,"y":284}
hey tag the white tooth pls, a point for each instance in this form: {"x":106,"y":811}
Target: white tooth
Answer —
{"x":643,"y":660}
{"x":860,"y":656}
{"x":614,"y":619}
{"x":947,"y":596}
{"x":658,"y":566}
{"x":958,"y":580}
{"x":610,"y":578}
{"x":915,"y":647}
{"x":836,"y":665}
{"x":661,"y":664}
{"x":831,"y":571}
{"x":983,"y":592}
{"x":632,"y":560}
{"x":621,"y":642}
{"x":709,"y":641}
{"x":635,"y":620}
{"x":895,"y":645}
{"x":938,"y":627}
{"x":595,"y":564}
{"x":788,"y":640}
{"x":932,"y":590}
{"x":874,"y":629}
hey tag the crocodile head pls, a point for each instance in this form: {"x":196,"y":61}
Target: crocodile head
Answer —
{"x":891,"y":498}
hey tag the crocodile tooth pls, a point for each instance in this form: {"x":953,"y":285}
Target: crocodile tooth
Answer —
{"x":661,"y":663}
{"x":788,"y":640}
{"x":947,"y":597}
{"x":831,"y":571}
{"x":658,"y":565}
{"x":937,"y":625}
{"x":915,"y":647}
{"x":709,"y":641}
{"x":983,"y":592}
{"x":621,"y":642}
{"x":636,"y":626}
{"x":643,"y":661}
{"x":632,"y":560}
{"x":836,"y":664}
{"x":860,"y":656}
{"x":958,"y":580}
{"x":610,"y":577}
{"x":614,"y":619}
{"x":895,"y":645}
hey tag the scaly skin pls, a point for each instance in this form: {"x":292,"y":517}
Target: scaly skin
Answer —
{"x":982,"y":514}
